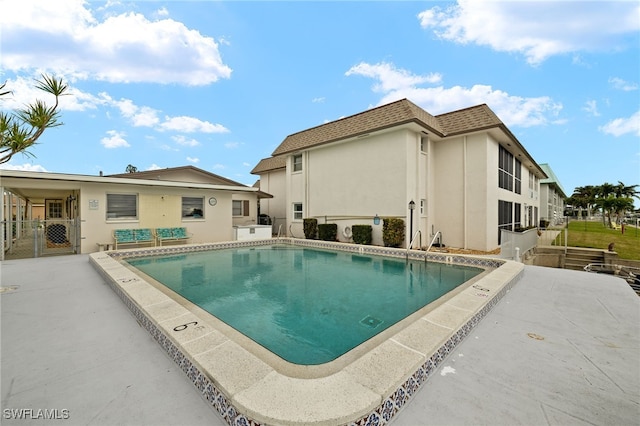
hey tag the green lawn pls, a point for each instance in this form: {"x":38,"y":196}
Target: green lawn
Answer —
{"x":596,"y":235}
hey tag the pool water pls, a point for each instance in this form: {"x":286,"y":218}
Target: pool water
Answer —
{"x":308,"y":306}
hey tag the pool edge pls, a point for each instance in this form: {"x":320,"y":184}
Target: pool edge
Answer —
{"x":249,"y":406}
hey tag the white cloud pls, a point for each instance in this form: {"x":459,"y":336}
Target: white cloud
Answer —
{"x":219,"y":166}
{"x":592,"y":108}
{"x":181,"y":140}
{"x":246,"y":164}
{"x":391,"y":78}
{"x":623,"y":126}
{"x":191,"y":125}
{"x":154,"y":166}
{"x":114,"y":140}
{"x":318,"y":100}
{"x":620,"y":84}
{"x":193,"y":159}
{"x":512,"y":110}
{"x":121,"y":48}
{"x":232,"y":145}
{"x":139,"y":116}
{"x":538,"y":30}
{"x":26,"y":167}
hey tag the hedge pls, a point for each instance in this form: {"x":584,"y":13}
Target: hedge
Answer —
{"x":310,"y":227}
{"x":328,"y":231}
{"x":392,"y":232}
{"x":361,"y":234}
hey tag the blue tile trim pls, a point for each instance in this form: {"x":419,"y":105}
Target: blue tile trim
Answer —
{"x":351,"y":248}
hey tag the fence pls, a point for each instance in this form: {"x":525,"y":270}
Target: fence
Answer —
{"x":36,"y":238}
{"x":516,"y":244}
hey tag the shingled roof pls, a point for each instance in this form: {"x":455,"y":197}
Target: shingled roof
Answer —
{"x":382,"y":117}
{"x":474,"y":118}
{"x":271,"y":163}
{"x":467,"y":120}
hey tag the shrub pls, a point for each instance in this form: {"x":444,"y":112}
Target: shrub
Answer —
{"x":328,"y":231}
{"x":392,"y":232}
{"x":310,"y":227}
{"x":361,"y":234}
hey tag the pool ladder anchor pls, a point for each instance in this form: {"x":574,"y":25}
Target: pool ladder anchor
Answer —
{"x":431,"y":244}
{"x":413,"y":240}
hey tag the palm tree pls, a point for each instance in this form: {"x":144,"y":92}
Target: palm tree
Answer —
{"x":602,"y":200}
{"x":583,"y":197}
{"x":131,"y":169}
{"x":20,"y":130}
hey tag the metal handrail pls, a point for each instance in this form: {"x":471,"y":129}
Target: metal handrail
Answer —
{"x":418,"y":233}
{"x":431,"y":244}
{"x":279,"y":230}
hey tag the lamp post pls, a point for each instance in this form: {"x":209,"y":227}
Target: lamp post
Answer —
{"x":412,"y":206}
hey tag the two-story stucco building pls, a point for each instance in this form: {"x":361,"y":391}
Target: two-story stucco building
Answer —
{"x":466,"y":173}
{"x":552,"y":196}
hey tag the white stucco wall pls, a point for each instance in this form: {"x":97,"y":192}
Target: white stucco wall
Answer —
{"x":274,"y":183}
{"x":350,"y":183}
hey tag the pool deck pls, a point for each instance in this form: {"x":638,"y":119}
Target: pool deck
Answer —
{"x":560,"y":348}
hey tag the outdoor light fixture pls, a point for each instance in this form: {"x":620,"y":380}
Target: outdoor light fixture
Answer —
{"x":376,"y":220}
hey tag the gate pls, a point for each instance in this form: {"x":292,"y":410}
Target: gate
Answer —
{"x":36,"y":238}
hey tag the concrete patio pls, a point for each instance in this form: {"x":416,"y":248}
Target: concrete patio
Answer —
{"x":562,"y":347}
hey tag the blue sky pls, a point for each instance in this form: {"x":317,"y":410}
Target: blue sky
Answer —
{"x":219,"y":85}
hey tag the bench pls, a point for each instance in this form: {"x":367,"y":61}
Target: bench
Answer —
{"x":133,"y":237}
{"x":172,"y":234}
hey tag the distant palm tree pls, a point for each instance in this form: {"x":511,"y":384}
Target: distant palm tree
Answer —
{"x":603,"y":193}
{"x":131,"y":169}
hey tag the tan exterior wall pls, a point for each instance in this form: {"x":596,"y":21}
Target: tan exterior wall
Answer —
{"x":157,"y":207}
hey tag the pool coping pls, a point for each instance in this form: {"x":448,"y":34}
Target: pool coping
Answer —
{"x":246,"y":390}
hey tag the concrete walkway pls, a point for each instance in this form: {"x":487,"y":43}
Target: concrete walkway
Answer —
{"x":561,"y":348}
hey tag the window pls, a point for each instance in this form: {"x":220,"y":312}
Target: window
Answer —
{"x":423,"y":204}
{"x":240,"y":208}
{"x":122,"y":206}
{"x":505,"y":217}
{"x":518,"y":178}
{"x":505,"y":169}
{"x":533,"y":186}
{"x":297,"y":211}
{"x":423,"y":144}
{"x":517,"y":216}
{"x":297,"y":162}
{"x":54,"y":209}
{"x":192,"y":207}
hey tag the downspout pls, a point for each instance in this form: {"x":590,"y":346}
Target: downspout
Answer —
{"x":305,"y":172}
{"x":3,"y":225}
{"x":464,"y":191}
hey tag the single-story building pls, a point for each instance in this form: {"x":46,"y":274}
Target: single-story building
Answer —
{"x":52,"y":212}
{"x":464,"y":173}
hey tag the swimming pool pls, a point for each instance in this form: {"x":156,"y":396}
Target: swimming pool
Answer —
{"x":307,"y":305}
{"x":248,"y":385}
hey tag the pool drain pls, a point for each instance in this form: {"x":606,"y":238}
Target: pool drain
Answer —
{"x":370,"y":321}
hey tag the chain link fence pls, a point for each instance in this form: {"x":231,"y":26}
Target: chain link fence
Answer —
{"x":35,"y":238}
